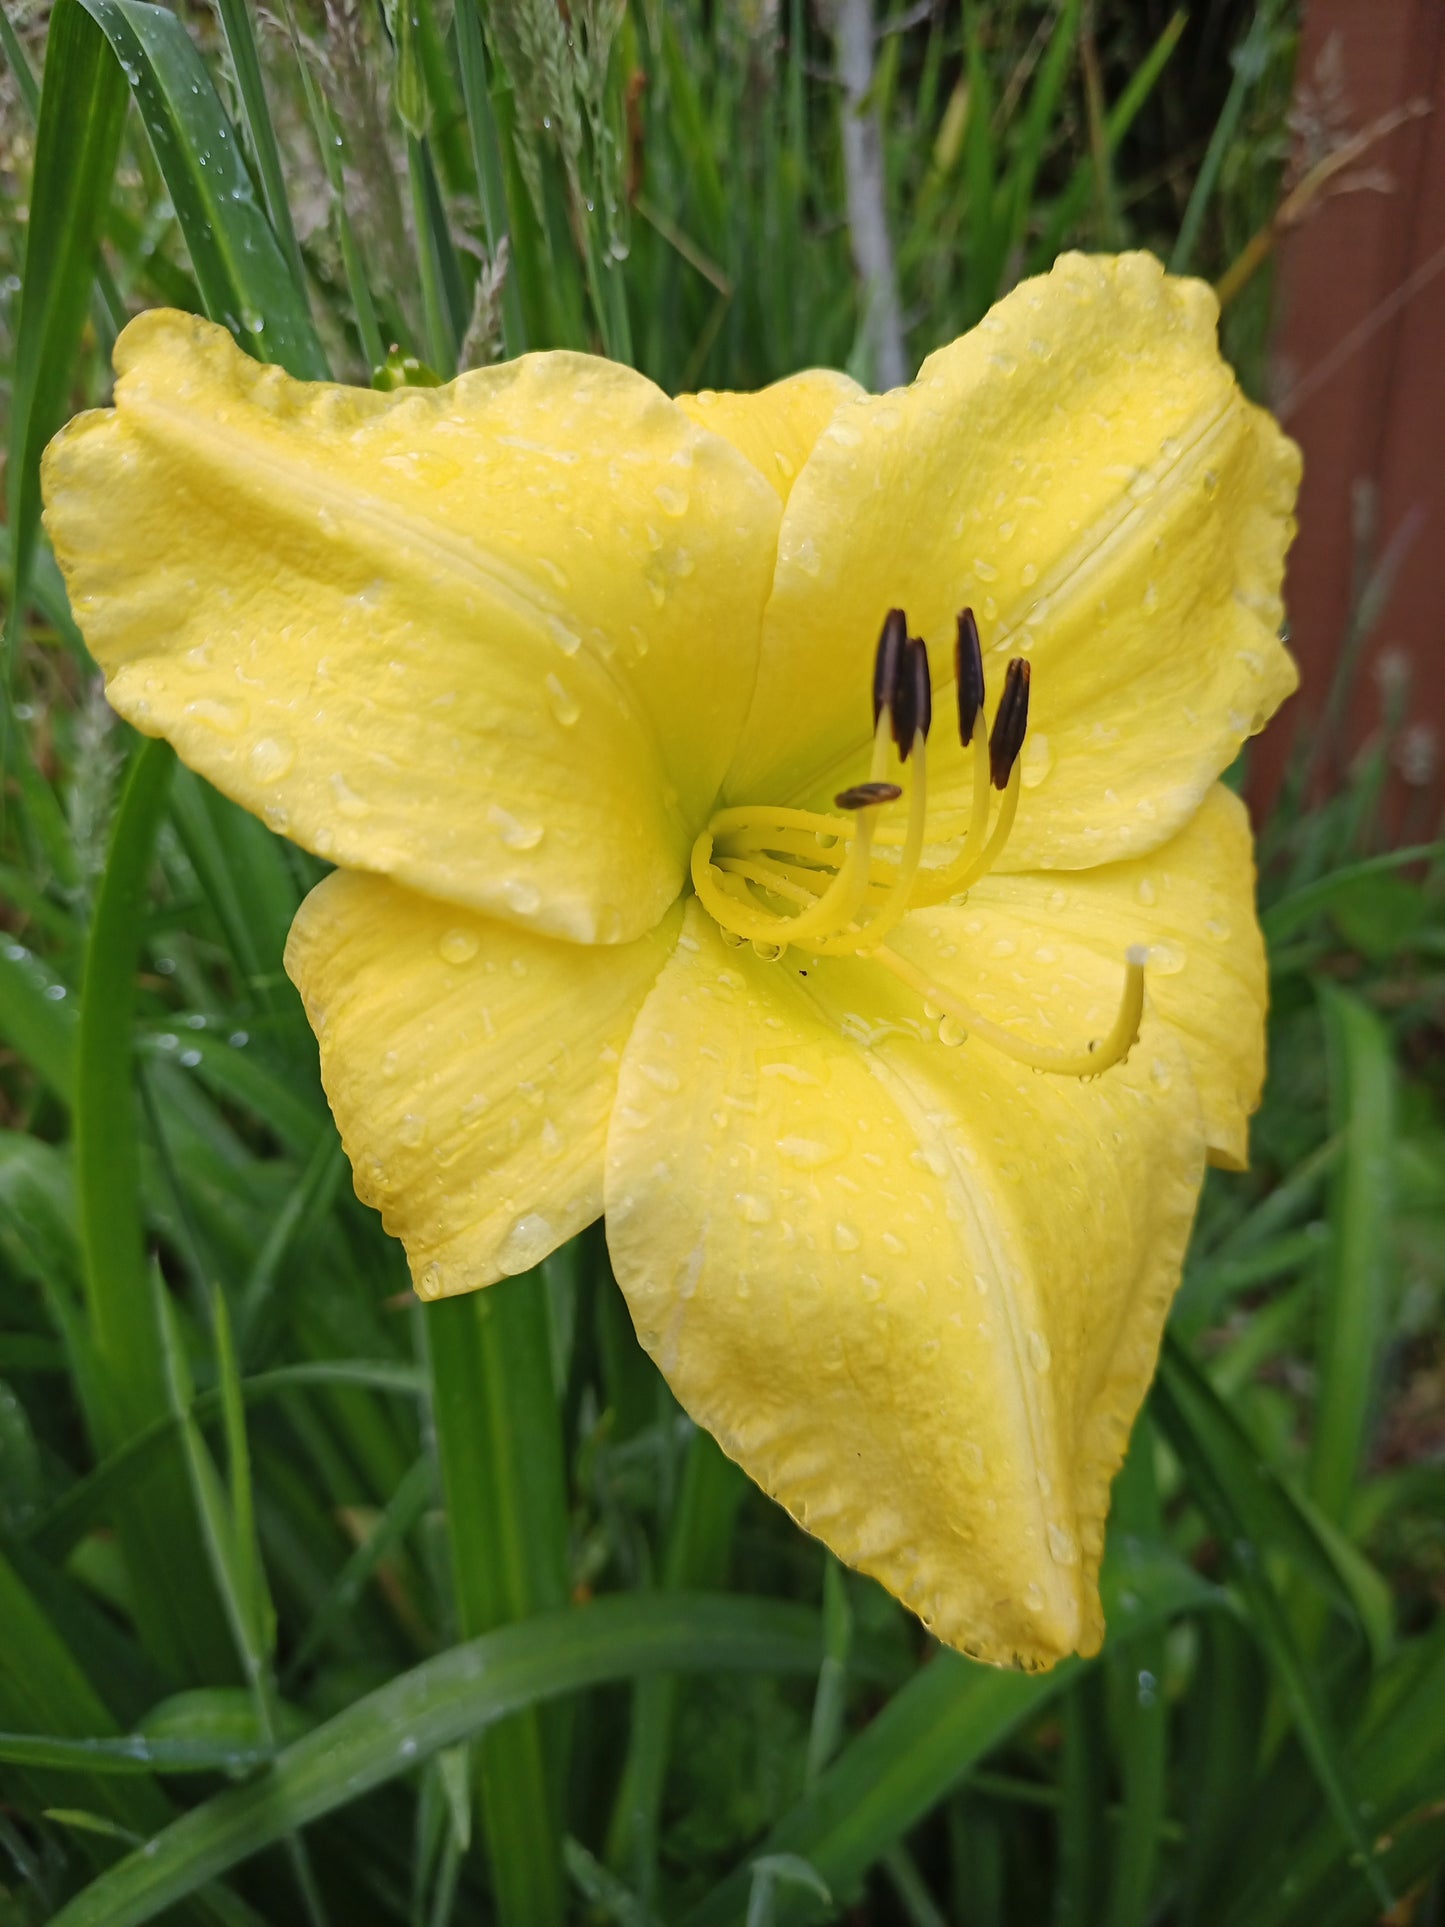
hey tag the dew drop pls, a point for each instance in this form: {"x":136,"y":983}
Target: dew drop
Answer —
{"x":226,"y":718}
{"x":564,"y":705}
{"x":845,"y":1236}
{"x":512,"y":832}
{"x":524,"y":898}
{"x":270,"y":757}
{"x":526,"y":1243}
{"x":751,"y":1208}
{"x":1160,"y":1074}
{"x":1040,"y":1357}
{"x":809,"y":1153}
{"x":1063,"y":1547}
{"x":458,"y":947}
{"x":984,"y":571}
{"x":348,"y":803}
{"x":1167,"y":959}
{"x":1144,"y":890}
{"x":673,"y":501}
{"x":1035,"y":760}
{"x":661,"y":1076}
{"x":1029,"y":574}
{"x":412,"y":1129}
{"x":1218,"y":928}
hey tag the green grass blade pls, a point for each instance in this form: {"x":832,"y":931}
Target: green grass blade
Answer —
{"x":1360,"y":1262}
{"x":82,"y":113}
{"x":487,"y":159}
{"x":448,"y":1699}
{"x":1071,"y":205}
{"x":172,"y":1587}
{"x":499,"y":1444}
{"x":1136,"y":1677}
{"x":925,"y":1740}
{"x":91,"y":1501}
{"x":1249,"y":60}
{"x":36,"y":1022}
{"x":403,"y":1509}
{"x":45,"y":1692}
{"x":696,"y":1557}
{"x":239,"y":265}
{"x":246,"y":64}
{"x":1225,"y":1491}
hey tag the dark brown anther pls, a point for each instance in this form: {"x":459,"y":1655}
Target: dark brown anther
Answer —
{"x":1011,"y":723}
{"x":863,"y":796}
{"x":888,"y":662}
{"x":913,"y":707}
{"x":968,"y":675}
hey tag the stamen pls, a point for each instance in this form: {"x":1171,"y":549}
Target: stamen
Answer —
{"x":1011,"y":723}
{"x":968,"y":676}
{"x":834,"y":910}
{"x":913,"y":704}
{"x":1100,"y":1056}
{"x":915,"y":708}
{"x":862,"y":795}
{"x":886,"y":663}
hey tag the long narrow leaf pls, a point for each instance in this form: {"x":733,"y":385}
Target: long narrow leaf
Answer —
{"x":451,"y":1698}
{"x":242,"y":271}
{"x":82,"y":112}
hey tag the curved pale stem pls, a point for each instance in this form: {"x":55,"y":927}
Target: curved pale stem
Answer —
{"x":1088,"y":1063}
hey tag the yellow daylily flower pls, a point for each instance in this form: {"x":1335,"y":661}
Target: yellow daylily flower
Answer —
{"x":893,"y":1053}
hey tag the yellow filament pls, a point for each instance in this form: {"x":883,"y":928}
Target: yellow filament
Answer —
{"x":781,"y":883}
{"x":836,"y":908}
{"x":969,"y":866}
{"x":840,"y":902}
{"x":1109,"y":1051}
{"x":756,"y":821}
{"x":900,"y":888}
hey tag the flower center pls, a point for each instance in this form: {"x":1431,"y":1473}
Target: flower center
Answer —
{"x":776,"y":877}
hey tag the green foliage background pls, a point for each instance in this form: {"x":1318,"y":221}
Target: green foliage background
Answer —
{"x":314,"y":1607}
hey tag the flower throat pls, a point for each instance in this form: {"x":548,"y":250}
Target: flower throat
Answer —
{"x":778,"y":877}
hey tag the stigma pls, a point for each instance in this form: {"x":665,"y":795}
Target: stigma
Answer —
{"x":777,"y":877}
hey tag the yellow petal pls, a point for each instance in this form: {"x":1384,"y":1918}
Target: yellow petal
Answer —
{"x":1083,"y":471}
{"x":916,"y":1292}
{"x":466,"y":636}
{"x":776,"y":427}
{"x":1043,"y":955}
{"x":471,"y":1066}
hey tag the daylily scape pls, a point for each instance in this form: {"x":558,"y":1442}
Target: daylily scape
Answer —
{"x":787,"y":822}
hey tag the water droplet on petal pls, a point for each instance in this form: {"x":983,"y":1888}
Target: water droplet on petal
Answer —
{"x":752,"y":1209}
{"x":1040,"y":1356}
{"x":526,"y":1244}
{"x":270,"y":757}
{"x":512,"y":831}
{"x":845,"y":1236}
{"x":1035,"y":760}
{"x":1063,"y":1547}
{"x":457,"y":947}
{"x":564,"y":704}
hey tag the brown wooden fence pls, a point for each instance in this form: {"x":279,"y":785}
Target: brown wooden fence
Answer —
{"x":1360,"y":383}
